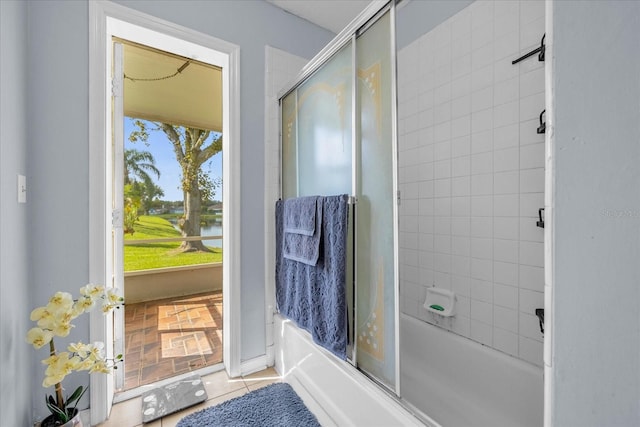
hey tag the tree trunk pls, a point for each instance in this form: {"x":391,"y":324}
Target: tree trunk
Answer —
{"x":190,"y":222}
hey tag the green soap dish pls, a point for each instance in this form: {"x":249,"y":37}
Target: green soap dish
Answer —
{"x":440,"y":301}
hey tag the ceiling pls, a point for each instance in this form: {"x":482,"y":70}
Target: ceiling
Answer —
{"x":332,"y":15}
{"x":155,"y":90}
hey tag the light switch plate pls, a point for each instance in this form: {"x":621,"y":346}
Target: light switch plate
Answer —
{"x":22,"y":189}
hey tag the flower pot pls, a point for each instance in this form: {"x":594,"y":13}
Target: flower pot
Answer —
{"x":50,"y":421}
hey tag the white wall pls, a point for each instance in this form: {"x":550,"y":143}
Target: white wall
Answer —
{"x":471,"y":170}
{"x":596,"y":277}
{"x":15,"y":286}
{"x":57,"y":79}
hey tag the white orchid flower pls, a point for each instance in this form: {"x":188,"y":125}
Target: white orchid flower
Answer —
{"x":61,"y":302}
{"x":82,"y":305}
{"x":39,"y":313}
{"x":39,"y":337}
{"x":79,"y":348}
{"x":100,"y":366}
{"x":85,"y":364}
{"x":96,"y":350}
{"x":93,"y":291}
{"x":113,"y":296}
{"x":61,"y":329}
{"x":55,"y":318}
{"x":50,"y":381}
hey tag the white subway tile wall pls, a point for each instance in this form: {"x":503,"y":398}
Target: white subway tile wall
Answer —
{"x":471,"y":174}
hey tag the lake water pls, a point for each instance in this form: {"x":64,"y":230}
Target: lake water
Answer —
{"x":212,"y":230}
{"x":209,"y":230}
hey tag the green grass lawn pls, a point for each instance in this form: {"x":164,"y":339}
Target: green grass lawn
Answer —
{"x":159,"y":255}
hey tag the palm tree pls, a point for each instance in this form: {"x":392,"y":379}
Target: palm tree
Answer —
{"x":137,"y":164}
{"x":148,"y":191}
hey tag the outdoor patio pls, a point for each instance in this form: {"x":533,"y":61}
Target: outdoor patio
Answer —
{"x":171,"y":336}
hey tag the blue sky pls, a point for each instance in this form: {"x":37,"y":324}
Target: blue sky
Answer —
{"x":162,"y":151}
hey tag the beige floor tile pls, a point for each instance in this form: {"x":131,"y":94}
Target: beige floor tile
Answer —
{"x":260,"y":384}
{"x":262,"y":378}
{"x":218,"y":384}
{"x":125,"y":414}
{"x":269,"y":373}
{"x":228,"y":396}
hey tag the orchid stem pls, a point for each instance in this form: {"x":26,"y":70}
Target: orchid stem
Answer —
{"x":58,"y":386}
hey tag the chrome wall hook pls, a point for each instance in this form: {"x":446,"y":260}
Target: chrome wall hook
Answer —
{"x":539,"y":50}
{"x":540,"y":222}
{"x":543,"y":125}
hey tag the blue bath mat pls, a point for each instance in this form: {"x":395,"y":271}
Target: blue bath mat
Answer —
{"x":275,"y":405}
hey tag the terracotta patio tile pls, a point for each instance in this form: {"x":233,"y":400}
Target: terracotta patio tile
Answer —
{"x":198,"y":318}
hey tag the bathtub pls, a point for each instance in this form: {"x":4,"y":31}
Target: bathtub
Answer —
{"x":446,"y":380}
{"x":336,"y":392}
{"x":458,"y":382}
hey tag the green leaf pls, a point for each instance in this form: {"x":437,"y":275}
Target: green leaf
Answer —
{"x":77,"y":399}
{"x":75,"y":396}
{"x":58,"y":413}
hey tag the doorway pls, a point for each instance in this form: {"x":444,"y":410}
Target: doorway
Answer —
{"x":171,"y":214}
{"x":108,"y":21}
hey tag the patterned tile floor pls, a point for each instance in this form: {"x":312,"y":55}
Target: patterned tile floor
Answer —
{"x":219,"y":388}
{"x":172,"y":336}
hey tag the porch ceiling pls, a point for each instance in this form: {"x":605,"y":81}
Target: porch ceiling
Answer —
{"x":192,"y":97}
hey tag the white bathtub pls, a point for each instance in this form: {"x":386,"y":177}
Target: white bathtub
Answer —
{"x":458,"y":382}
{"x":446,"y":380}
{"x":333,"y":390}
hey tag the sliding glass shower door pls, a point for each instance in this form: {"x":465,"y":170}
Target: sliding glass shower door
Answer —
{"x":375,"y":211}
{"x":338,"y":137}
{"x":317,"y":131}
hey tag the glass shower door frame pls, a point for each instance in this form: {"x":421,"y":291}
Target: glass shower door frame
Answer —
{"x":375,"y":135}
{"x":351,"y":35}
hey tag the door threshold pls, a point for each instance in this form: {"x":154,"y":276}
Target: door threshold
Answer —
{"x":138,"y":391}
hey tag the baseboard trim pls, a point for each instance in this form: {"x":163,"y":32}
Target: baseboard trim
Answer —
{"x":256,"y":364}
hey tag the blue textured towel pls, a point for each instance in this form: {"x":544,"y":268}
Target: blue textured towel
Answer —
{"x":314,"y":296}
{"x":302,"y":229}
{"x":300,"y":215}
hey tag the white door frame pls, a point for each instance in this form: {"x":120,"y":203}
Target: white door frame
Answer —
{"x":105,"y":18}
{"x":117,"y":197}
